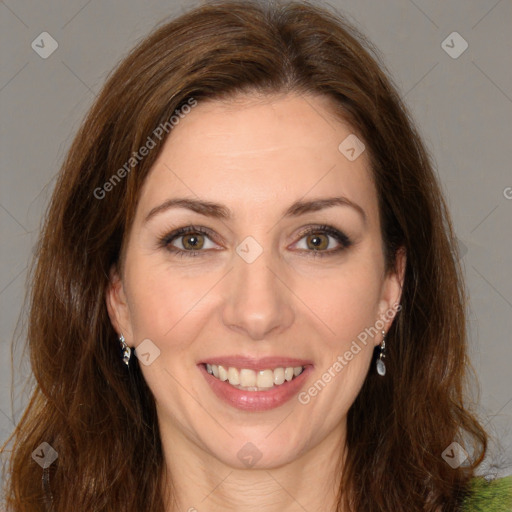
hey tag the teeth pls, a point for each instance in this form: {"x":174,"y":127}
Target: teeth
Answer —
{"x":247,"y":378}
{"x":251,"y":380}
{"x":278,"y":376}
{"x":265,"y":379}
{"x":223,"y":373}
{"x":233,"y":376}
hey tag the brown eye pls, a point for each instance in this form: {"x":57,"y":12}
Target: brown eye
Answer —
{"x":322,"y":241}
{"x":193,"y":241}
{"x":317,"y":241}
{"x":188,"y":241}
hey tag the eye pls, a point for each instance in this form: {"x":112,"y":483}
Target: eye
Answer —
{"x":188,"y":241}
{"x":317,"y":241}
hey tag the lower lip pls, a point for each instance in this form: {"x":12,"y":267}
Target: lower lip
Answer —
{"x":256,"y":400}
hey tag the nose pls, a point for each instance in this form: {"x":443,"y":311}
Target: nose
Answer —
{"x":258,"y":302}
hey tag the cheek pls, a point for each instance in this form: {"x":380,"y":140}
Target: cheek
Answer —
{"x":348,"y":307}
{"x":346,"y":300}
{"x":162,"y":300}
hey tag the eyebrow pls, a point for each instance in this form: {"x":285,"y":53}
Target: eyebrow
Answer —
{"x":219,"y":211}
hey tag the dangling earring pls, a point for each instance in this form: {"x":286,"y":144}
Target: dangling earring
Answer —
{"x":127,"y":351}
{"x":381,"y":367}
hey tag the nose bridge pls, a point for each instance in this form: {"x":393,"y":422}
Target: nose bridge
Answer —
{"x":257,"y":302}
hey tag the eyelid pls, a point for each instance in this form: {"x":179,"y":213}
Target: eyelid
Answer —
{"x":166,"y":239}
{"x":174,"y":232}
{"x":329,"y":230}
{"x":343,"y":240}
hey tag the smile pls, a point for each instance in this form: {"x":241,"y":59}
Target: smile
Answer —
{"x":251,"y":380}
{"x":259,"y":391}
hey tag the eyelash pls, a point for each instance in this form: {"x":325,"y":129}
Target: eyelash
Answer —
{"x":165,"y":241}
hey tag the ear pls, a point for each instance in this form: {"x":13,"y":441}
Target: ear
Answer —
{"x":392,"y":290}
{"x":117,"y":305}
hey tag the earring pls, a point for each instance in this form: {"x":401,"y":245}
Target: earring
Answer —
{"x":127,"y":351}
{"x":381,"y":367}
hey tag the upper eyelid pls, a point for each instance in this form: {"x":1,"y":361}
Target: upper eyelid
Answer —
{"x":180,"y":232}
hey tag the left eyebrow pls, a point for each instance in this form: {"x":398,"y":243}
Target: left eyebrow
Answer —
{"x":219,"y":211}
{"x":302,"y":207}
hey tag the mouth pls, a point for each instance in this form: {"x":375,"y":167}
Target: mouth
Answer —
{"x":247,"y":379}
{"x":253,"y":386}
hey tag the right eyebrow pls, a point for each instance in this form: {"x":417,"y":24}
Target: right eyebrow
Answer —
{"x":203,"y":207}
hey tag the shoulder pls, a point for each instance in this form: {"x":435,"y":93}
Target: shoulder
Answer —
{"x":489,"y":496}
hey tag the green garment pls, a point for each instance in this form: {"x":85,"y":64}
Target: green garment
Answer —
{"x":492,"y":496}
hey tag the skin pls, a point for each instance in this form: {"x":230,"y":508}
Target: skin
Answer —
{"x":255,"y":155}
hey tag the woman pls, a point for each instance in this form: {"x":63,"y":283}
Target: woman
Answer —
{"x":246,"y":293}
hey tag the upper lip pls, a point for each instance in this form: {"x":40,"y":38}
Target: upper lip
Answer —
{"x":256,"y":364}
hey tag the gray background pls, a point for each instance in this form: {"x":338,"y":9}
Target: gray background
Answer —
{"x":463,"y":107}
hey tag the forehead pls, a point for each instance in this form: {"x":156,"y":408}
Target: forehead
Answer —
{"x":258,"y":152}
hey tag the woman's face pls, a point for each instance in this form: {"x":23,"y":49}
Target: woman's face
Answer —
{"x":276,"y":270}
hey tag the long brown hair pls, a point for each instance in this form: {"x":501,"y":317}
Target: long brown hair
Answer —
{"x":100,"y":418}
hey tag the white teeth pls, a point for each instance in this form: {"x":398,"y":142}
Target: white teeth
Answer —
{"x":247,"y":378}
{"x":265,"y":379}
{"x":278,"y":376}
{"x":233,"y":376}
{"x":251,"y":380}
{"x":223,"y":373}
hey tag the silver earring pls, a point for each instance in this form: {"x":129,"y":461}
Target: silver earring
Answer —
{"x":381,"y":367}
{"x":127,"y":351}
